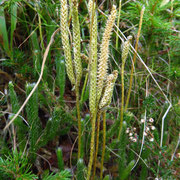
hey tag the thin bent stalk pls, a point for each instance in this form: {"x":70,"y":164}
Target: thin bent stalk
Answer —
{"x":104,"y":144}
{"x":97,"y":143}
{"x":134,"y":59}
{"x":122,"y":97}
{"x":124,"y":57}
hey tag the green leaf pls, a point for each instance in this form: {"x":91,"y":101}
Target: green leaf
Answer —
{"x":3,"y":32}
{"x":60,"y":75}
{"x":127,"y":170}
{"x":13,"y":21}
{"x":80,"y":170}
{"x":60,"y":159}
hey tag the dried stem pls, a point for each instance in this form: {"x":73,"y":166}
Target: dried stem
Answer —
{"x":134,"y":59}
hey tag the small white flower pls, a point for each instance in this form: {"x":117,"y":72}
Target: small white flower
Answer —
{"x":142,"y":120}
{"x":151,"y":120}
{"x":130,"y":134}
{"x":152,"y":139}
{"x":134,"y":129}
{"x":147,"y":128}
{"x":153,"y":128}
{"x":131,"y":138}
{"x":127,"y":131}
{"x":134,"y":140}
{"x":5,"y":91}
{"x":145,"y":133}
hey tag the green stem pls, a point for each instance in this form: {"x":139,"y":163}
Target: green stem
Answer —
{"x":93,"y":122}
{"x":104,"y":144}
{"x":97,"y":142}
{"x":79,"y":121}
{"x":84,"y":86}
{"x":122,"y":98}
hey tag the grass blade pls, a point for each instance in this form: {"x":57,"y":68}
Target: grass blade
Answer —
{"x":13,"y":21}
{"x":3,"y":32}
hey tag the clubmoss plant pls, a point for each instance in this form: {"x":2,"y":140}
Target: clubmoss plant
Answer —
{"x":93,"y":58}
{"x":60,"y":159}
{"x":97,"y":99}
{"x":21,"y":127}
{"x":74,"y":73}
{"x":65,"y":41}
{"x":80,"y":170}
{"x":104,"y":53}
{"x":101,"y":86}
{"x":15,"y":166}
{"x":104,"y":103}
{"x":76,"y":41}
{"x":33,"y":118}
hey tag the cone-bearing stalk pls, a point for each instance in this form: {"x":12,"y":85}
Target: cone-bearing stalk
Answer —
{"x":65,"y":41}
{"x":108,"y":91}
{"x":103,"y":60}
{"x":93,"y":58}
{"x":76,"y":41}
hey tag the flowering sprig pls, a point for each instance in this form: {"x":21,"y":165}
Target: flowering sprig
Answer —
{"x":132,"y":134}
{"x":149,"y":129}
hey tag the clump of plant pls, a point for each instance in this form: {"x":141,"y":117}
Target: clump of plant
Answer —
{"x":100,"y":97}
{"x":15,"y":166}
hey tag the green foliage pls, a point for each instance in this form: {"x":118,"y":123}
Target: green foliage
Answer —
{"x":33,"y":118}
{"x":122,"y":151}
{"x":60,"y":159}
{"x":81,"y":170}
{"x":144,"y":172}
{"x":21,"y":127}
{"x":3,"y":32}
{"x":15,"y":166}
{"x":52,"y":127}
{"x":107,"y":177}
{"x":63,"y":175}
{"x":37,"y":56}
{"x":60,"y":76}
{"x":126,"y":171}
{"x":25,"y":30}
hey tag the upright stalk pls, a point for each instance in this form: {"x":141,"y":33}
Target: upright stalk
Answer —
{"x":104,"y":144}
{"x":77,"y":64}
{"x":79,"y":121}
{"x":93,"y":79}
{"x":134,"y":59}
{"x":93,"y":122}
{"x":97,"y":142}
